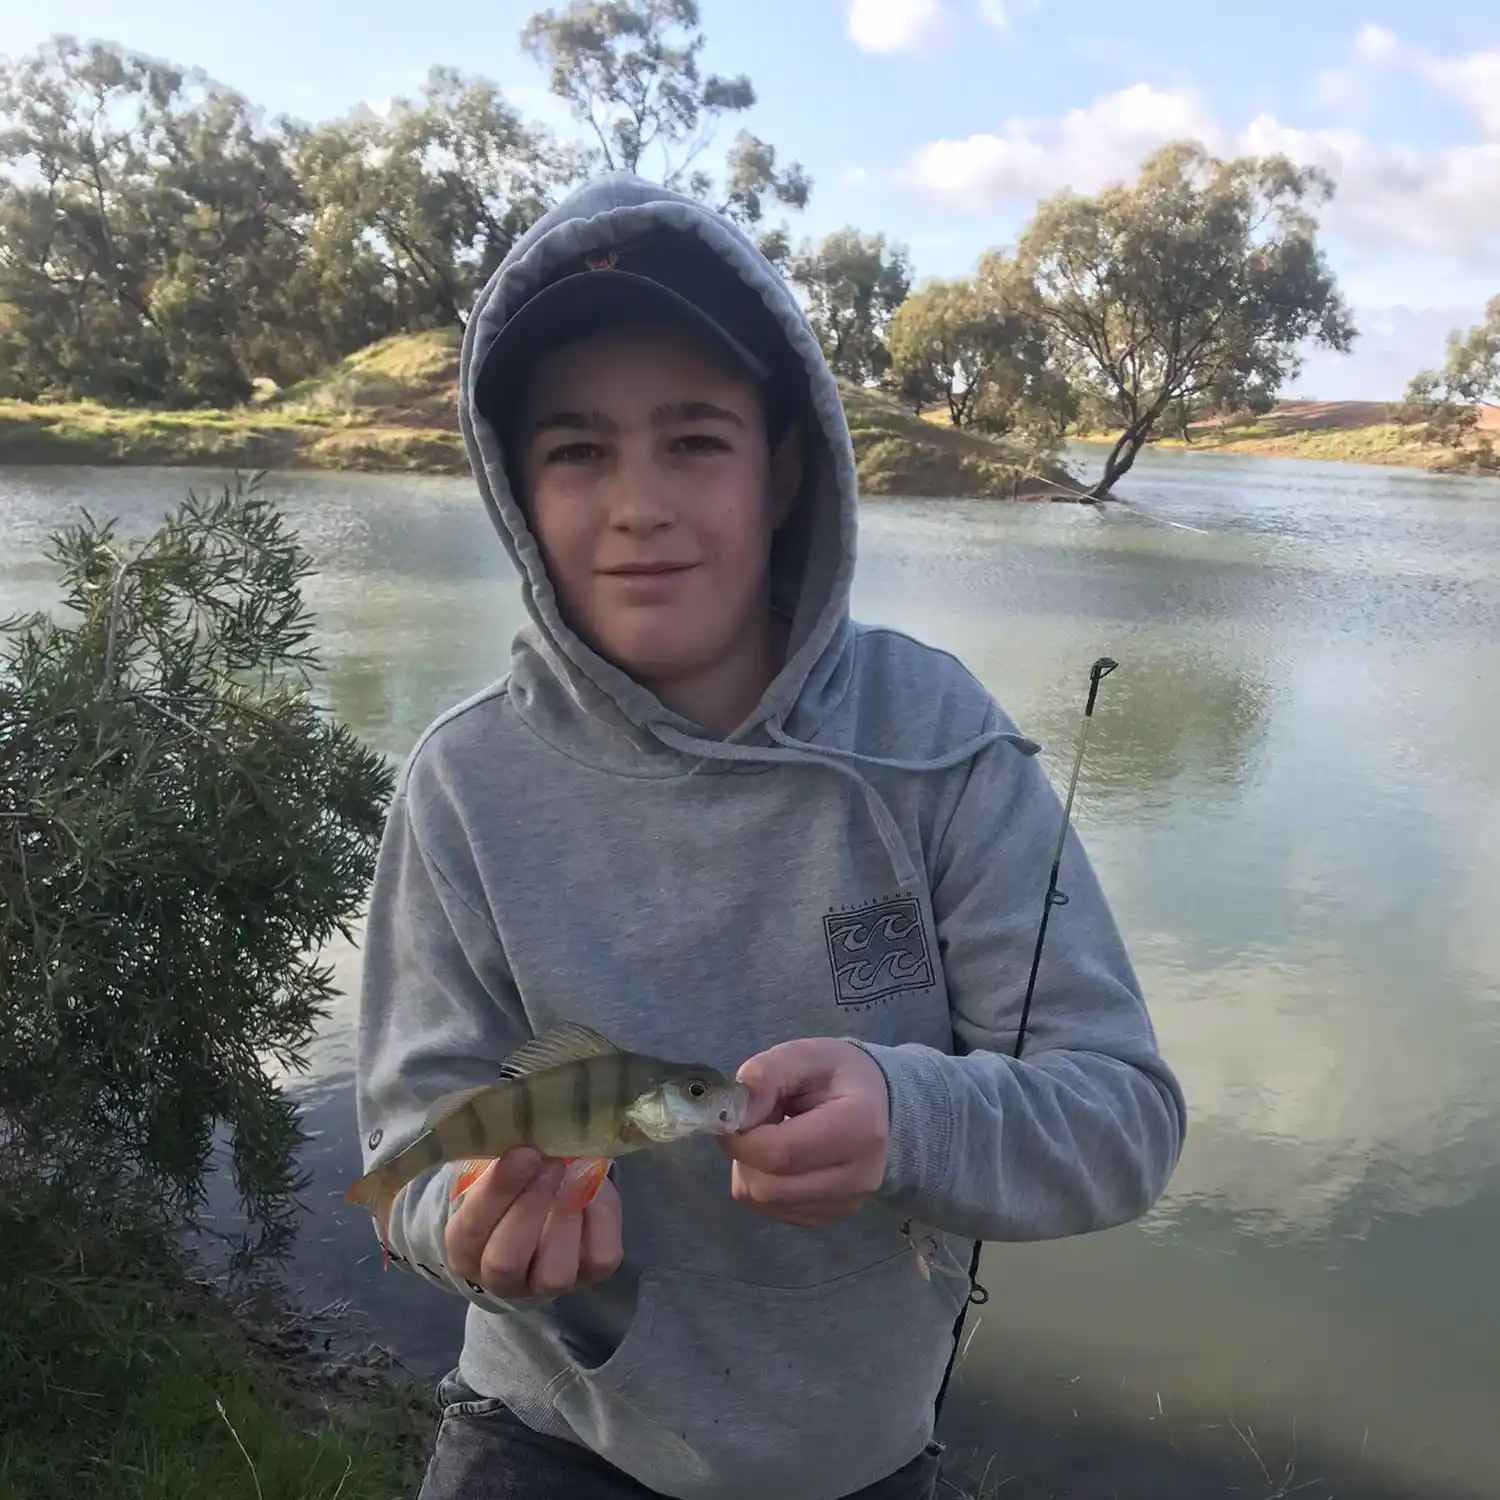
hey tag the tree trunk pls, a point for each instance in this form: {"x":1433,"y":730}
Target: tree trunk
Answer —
{"x":1121,"y":457}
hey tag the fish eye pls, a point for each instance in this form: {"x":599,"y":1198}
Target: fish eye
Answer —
{"x":697,"y":1089}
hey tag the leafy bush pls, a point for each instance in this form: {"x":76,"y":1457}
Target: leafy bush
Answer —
{"x":181,"y":829}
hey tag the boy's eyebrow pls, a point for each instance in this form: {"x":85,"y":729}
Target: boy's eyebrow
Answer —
{"x":695,"y":411}
{"x":664,"y":414}
{"x":572,"y":421}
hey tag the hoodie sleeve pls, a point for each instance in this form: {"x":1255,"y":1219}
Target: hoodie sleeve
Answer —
{"x":438,"y":1011}
{"x":1084,"y":1130}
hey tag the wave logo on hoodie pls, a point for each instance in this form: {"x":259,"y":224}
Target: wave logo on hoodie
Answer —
{"x":877,"y":951}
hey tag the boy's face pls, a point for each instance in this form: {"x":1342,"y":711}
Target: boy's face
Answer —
{"x":649,"y":484}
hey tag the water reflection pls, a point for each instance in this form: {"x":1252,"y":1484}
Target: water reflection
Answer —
{"x":1293,"y":796}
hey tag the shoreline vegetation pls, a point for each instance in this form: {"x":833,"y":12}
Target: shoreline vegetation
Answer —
{"x":1356,"y":432}
{"x":129,"y":1371}
{"x":393,"y":408}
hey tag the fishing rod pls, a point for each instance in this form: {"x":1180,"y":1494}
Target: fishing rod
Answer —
{"x":978,"y":1296}
{"x":1054,"y":897}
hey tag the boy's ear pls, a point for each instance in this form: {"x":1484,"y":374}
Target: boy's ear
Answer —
{"x":786,"y":474}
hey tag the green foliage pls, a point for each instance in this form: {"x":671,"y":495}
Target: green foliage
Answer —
{"x":162,"y":245}
{"x":148,"y":234}
{"x":1445,"y":405}
{"x":180,"y":831}
{"x":979,"y":346}
{"x":628,"y":70}
{"x":1193,"y":286}
{"x":426,"y":202}
{"x":854,"y":283}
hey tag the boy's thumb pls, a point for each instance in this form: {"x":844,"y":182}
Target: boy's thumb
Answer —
{"x":780,"y":1074}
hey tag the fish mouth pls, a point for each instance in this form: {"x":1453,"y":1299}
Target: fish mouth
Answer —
{"x":733,"y":1111}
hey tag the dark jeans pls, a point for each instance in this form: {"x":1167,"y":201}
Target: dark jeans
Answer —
{"x":485,"y":1452}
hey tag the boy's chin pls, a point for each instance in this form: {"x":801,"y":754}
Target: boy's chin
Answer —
{"x":657,"y":656}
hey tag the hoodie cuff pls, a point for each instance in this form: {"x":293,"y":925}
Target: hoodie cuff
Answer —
{"x":921,"y":1141}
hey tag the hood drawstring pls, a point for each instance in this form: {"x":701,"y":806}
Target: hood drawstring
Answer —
{"x":790,"y":751}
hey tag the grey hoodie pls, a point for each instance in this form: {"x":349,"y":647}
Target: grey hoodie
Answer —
{"x":866,"y":857}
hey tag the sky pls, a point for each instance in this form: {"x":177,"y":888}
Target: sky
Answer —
{"x":943,"y":122}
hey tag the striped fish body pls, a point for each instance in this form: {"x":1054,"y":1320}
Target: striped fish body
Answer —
{"x":576,"y":1108}
{"x":569,"y":1093}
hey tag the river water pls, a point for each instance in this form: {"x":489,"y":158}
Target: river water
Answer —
{"x":1292,"y":794}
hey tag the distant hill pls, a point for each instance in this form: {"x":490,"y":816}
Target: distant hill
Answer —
{"x":393,"y":408}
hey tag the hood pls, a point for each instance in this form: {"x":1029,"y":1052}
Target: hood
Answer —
{"x":561,"y":686}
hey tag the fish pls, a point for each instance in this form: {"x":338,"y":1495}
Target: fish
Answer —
{"x":572,"y":1094}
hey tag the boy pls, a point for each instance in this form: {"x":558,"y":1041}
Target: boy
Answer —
{"x":709,"y":816}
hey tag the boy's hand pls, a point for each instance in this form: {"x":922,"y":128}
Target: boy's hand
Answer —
{"x":506,"y":1237}
{"x":822,"y":1127}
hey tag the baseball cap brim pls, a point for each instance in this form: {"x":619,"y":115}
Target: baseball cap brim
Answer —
{"x":576,"y":306}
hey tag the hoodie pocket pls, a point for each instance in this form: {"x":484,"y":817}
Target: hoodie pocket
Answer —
{"x":736,"y":1391}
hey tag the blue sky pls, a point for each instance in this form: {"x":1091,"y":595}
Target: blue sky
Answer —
{"x":942,"y":121}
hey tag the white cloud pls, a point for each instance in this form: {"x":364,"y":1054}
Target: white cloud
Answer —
{"x":1473,"y":83}
{"x":1349,"y":90}
{"x":1084,"y":149}
{"x":1435,"y":200}
{"x":854,"y":177}
{"x":1444,"y":200}
{"x":890,"y":26}
{"x":1001,"y":15}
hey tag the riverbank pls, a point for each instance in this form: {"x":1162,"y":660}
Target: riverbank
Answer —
{"x":1356,"y":432}
{"x":125,"y":1372}
{"x":392,"y":408}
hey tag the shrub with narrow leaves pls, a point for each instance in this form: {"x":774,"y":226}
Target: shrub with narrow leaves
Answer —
{"x":181,"y":829}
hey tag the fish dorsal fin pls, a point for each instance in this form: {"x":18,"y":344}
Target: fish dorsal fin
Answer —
{"x":444,"y":1106}
{"x":560,"y":1044}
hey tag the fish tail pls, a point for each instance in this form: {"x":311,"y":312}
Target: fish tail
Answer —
{"x":581,"y":1181}
{"x":376,"y":1192}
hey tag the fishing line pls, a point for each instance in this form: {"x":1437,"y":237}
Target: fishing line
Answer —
{"x":978,"y":1296}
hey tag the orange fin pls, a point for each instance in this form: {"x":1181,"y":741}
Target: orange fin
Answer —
{"x":582,"y":1180}
{"x":469,"y":1173}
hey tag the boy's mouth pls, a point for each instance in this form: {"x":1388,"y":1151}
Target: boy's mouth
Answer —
{"x":646,"y":569}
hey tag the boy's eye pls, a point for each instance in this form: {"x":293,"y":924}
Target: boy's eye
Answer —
{"x":573,"y":453}
{"x":701,"y":442}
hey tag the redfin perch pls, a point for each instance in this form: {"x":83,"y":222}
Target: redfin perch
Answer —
{"x":570,"y":1093}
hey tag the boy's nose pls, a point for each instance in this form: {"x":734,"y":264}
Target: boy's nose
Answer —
{"x":635,"y":504}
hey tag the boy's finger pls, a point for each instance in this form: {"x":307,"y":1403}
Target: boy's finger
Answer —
{"x":823,"y":1137}
{"x":602,"y":1247}
{"x":789,"y":1070}
{"x":811,"y":1216}
{"x":808,"y":1190}
{"x":485,"y":1204}
{"x":500,"y":1184}
{"x":554,"y":1265}
{"x":505,"y":1261}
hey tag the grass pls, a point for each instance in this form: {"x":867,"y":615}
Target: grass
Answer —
{"x":1357,"y":432}
{"x":897,"y":452}
{"x":122,"y":1377}
{"x":393,"y":408}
